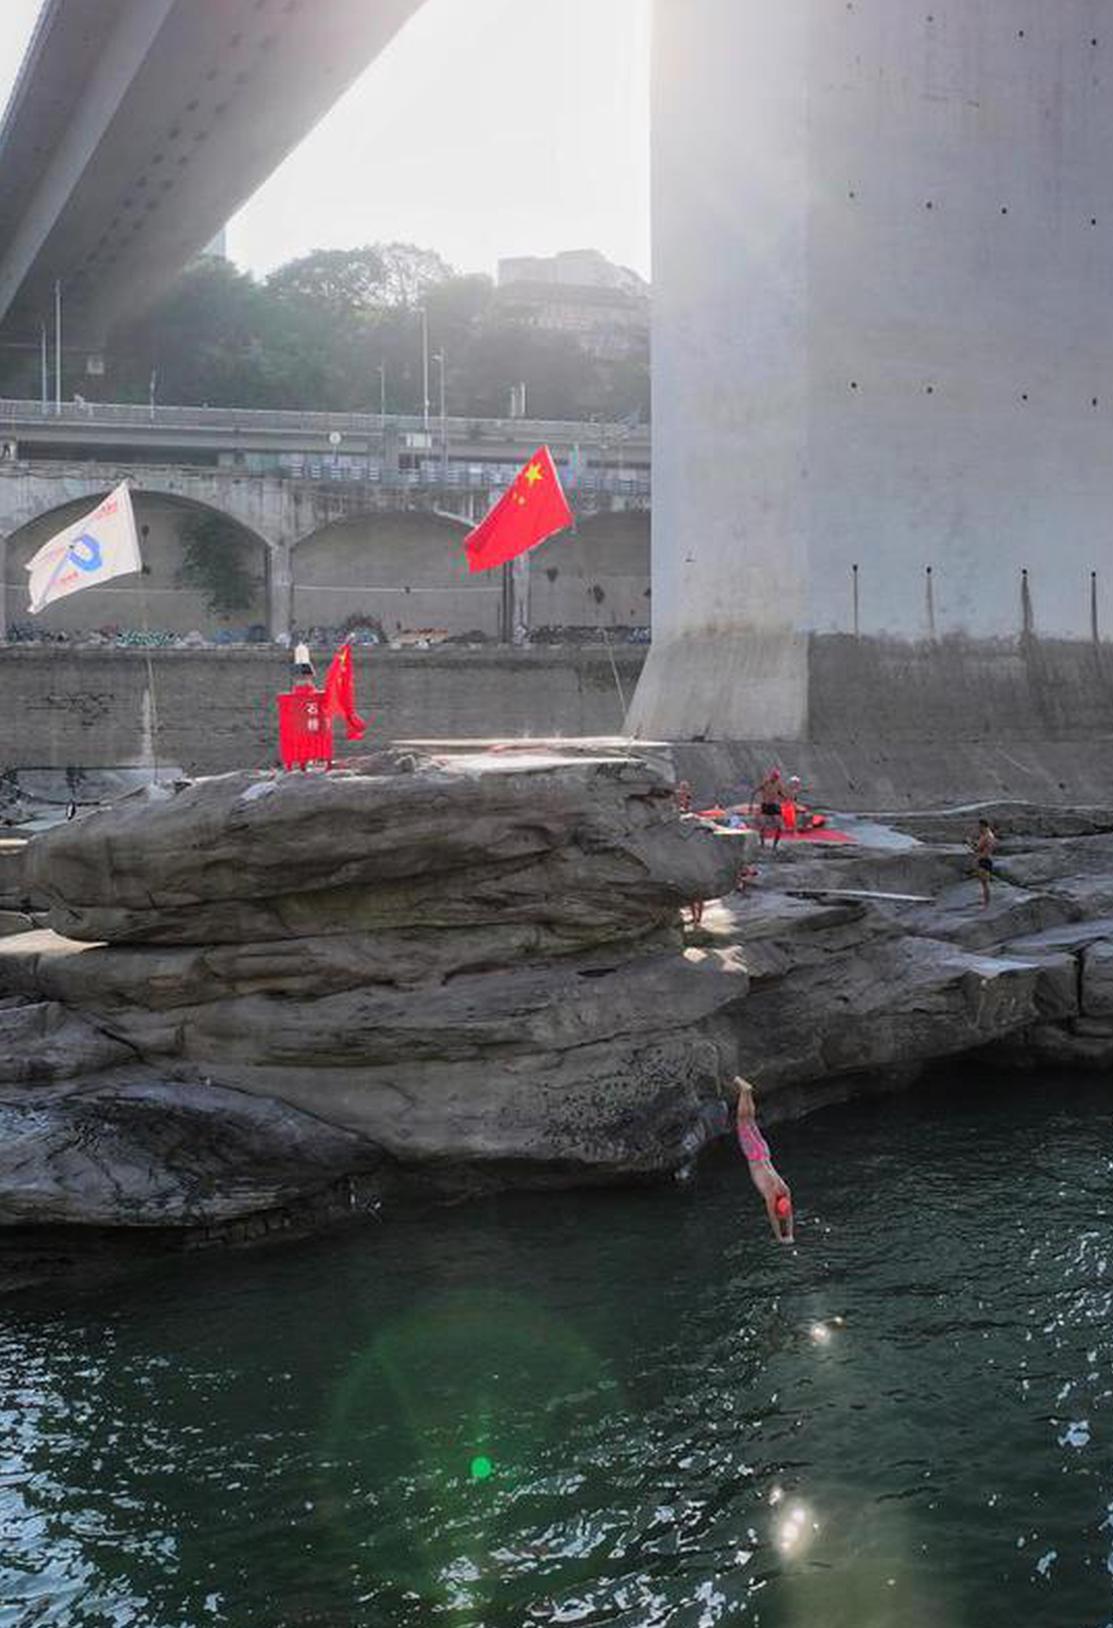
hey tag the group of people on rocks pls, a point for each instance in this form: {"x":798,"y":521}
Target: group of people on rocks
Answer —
{"x":776,"y":806}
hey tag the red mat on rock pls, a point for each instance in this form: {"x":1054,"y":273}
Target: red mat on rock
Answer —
{"x":822,"y":833}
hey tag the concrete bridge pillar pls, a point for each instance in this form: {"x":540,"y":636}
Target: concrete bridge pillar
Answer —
{"x":881,"y":248}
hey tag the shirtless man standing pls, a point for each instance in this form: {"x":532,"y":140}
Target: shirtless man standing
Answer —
{"x":983,"y":845}
{"x":770,"y":795}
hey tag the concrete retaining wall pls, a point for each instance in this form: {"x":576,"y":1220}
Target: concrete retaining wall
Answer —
{"x":892,"y":724}
{"x":91,"y":708}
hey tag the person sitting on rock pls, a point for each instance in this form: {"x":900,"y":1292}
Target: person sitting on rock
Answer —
{"x":983,"y":845}
{"x":747,"y":875}
{"x":772,"y":1186}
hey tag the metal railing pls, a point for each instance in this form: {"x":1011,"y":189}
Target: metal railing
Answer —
{"x":249,"y":420}
{"x":352,"y":471}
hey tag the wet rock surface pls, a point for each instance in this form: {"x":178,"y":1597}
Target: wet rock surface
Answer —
{"x":466,"y":966}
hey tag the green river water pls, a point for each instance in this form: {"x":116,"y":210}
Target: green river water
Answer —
{"x":627,"y":1407}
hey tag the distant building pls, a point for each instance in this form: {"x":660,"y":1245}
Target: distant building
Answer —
{"x":578,"y":292}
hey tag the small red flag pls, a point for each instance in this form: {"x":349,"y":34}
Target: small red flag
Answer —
{"x":340,"y":693}
{"x":530,"y":510}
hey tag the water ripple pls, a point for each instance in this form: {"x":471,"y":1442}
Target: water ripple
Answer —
{"x":619,"y":1409}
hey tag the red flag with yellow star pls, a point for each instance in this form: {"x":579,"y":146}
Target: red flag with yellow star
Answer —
{"x":530,"y":510}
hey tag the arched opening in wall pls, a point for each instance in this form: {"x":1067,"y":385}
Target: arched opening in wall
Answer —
{"x":594,"y":578}
{"x":399,"y":577}
{"x":205,"y":574}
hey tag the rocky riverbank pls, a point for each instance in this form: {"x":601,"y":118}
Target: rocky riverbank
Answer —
{"x":256,"y":1001}
{"x":852,"y":984}
{"x":466,"y":969}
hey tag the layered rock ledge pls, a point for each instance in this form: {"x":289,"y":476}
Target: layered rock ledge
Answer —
{"x":466,"y":967}
{"x":866,"y":962}
{"x":253,"y":993}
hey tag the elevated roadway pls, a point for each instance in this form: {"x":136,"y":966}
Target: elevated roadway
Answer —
{"x":138,"y":127}
{"x":217,"y":434}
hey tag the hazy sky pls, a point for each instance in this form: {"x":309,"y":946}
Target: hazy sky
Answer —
{"x":487,"y":128}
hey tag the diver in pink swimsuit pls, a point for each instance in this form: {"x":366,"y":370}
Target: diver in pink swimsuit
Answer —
{"x":772,"y":1187}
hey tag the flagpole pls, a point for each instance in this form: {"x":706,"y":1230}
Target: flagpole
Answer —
{"x":614,"y":670}
{"x":93,"y":549}
{"x":152,"y":692}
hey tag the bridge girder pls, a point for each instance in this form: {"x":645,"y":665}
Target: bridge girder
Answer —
{"x":138,"y":127}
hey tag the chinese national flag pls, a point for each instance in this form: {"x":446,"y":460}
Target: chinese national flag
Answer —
{"x":533,"y":508}
{"x":340,"y":693}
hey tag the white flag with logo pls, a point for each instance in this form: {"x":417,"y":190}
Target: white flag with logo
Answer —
{"x":104,"y":544}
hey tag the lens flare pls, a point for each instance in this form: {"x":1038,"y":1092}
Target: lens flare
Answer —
{"x":795,"y":1529}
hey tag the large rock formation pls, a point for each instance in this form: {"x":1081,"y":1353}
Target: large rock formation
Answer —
{"x":259,"y":993}
{"x":469,"y":966}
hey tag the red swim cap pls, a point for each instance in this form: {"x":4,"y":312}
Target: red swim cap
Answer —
{"x":783,"y":1206}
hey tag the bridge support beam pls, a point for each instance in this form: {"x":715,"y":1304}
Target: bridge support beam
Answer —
{"x":879,"y":346}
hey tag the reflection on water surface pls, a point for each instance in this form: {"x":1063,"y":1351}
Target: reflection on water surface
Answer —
{"x":624,"y":1408}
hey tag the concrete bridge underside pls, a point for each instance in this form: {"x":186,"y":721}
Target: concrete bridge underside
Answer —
{"x":138,"y":127}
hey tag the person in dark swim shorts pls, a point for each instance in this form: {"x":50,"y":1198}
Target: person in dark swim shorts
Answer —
{"x":770,"y":795}
{"x":983,"y":845}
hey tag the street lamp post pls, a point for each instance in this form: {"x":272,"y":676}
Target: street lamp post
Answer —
{"x":425,"y":366}
{"x":382,"y":396}
{"x":58,"y":345}
{"x":439,"y":359}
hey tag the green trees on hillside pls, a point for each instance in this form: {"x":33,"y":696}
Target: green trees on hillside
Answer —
{"x":316,"y":333}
